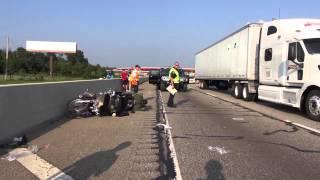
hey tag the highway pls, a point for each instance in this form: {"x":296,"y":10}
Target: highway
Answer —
{"x":99,"y":147}
{"x":218,"y":139}
{"x":215,"y":137}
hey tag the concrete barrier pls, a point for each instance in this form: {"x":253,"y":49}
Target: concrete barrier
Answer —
{"x":25,"y":106}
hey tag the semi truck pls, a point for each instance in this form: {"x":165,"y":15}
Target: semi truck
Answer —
{"x":276,"y":61}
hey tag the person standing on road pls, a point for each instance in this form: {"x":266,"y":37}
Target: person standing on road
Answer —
{"x":134,"y":79}
{"x":124,"y":80}
{"x":174,"y":79}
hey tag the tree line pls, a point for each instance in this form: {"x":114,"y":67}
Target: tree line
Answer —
{"x":22,"y":62}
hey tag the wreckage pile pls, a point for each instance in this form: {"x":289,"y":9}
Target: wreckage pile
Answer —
{"x":106,"y":103}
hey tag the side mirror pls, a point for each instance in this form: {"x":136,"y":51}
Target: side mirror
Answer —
{"x":297,"y":62}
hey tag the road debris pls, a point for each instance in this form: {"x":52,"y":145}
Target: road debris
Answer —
{"x":17,"y":153}
{"x":23,"y":152}
{"x":163,"y":127}
{"x":238,"y":119}
{"x":220,"y":150}
{"x":33,"y":148}
{"x":18,"y":141}
{"x":9,"y":158}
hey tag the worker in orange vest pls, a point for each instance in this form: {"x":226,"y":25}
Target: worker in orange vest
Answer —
{"x":134,"y":79}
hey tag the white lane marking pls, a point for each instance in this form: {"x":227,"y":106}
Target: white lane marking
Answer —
{"x":285,"y":121}
{"x":171,"y":145}
{"x":302,"y":126}
{"x":238,"y":119}
{"x":38,"y":166}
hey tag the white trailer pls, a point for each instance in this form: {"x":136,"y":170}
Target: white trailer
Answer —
{"x":277,"y":61}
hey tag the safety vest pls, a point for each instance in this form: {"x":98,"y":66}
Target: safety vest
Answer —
{"x":177,"y":78}
{"x":134,"y":77}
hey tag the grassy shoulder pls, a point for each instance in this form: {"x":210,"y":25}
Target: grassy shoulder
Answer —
{"x":22,"y":79}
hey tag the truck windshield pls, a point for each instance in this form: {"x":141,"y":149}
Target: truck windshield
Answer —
{"x":312,"y":45}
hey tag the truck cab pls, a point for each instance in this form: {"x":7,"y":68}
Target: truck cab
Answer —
{"x":289,"y":64}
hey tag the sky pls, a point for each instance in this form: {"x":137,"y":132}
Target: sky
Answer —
{"x":123,"y":33}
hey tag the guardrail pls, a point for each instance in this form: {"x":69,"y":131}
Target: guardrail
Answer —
{"x":24,"y":106}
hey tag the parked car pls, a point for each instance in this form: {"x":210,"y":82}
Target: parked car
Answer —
{"x":192,"y":78}
{"x":154,"y":77}
{"x":164,"y":80}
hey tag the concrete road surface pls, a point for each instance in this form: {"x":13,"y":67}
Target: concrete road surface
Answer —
{"x":100,"y":147}
{"x":215,"y":139}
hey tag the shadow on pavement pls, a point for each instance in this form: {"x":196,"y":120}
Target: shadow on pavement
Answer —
{"x":182,"y":102}
{"x":294,"y":129}
{"x":225,"y":137}
{"x":149,"y":98}
{"x":181,"y":137}
{"x":227,"y":114}
{"x":147,"y":108}
{"x":214,"y":171}
{"x":95,"y":164}
{"x":280,"y":107}
{"x":286,"y":145}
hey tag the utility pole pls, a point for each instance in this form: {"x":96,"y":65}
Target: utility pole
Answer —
{"x":7,"y":57}
{"x":51,"y":65}
{"x":279,"y":13}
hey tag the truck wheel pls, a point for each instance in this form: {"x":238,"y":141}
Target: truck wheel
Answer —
{"x":162,"y":87}
{"x":312,"y":105}
{"x":203,"y":85}
{"x":246,"y":95}
{"x":237,"y":91}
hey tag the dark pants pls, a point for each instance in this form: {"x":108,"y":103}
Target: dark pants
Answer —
{"x":124,"y":84}
{"x":171,"y":97}
{"x":135,"y":88}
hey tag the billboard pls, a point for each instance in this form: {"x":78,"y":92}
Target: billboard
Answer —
{"x":52,"y":47}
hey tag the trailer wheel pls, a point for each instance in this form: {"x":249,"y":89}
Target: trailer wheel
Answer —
{"x":203,"y":85}
{"x":312,"y":105}
{"x":246,"y":95}
{"x":237,"y":91}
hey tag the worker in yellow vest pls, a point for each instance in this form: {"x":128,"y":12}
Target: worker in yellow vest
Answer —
{"x":174,"y":79}
{"x":134,"y":79}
